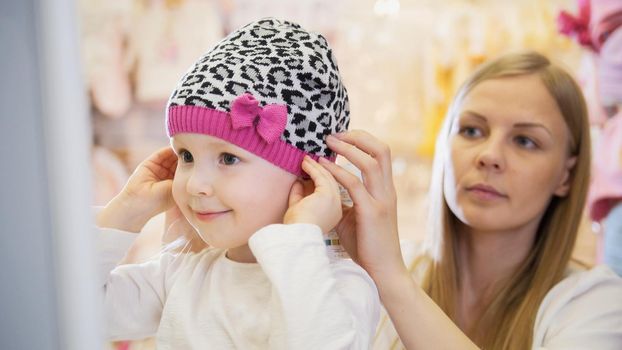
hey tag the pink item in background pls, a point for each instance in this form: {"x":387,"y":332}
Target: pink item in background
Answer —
{"x":605,"y":17}
{"x":587,"y":79}
{"x":610,"y":69}
{"x":596,"y":20}
{"x":606,"y":187}
{"x":578,"y":26}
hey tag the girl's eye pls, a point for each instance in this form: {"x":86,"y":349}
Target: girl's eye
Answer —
{"x":525,"y":142}
{"x":185,"y":156}
{"x":229,"y":159}
{"x":470,"y":132}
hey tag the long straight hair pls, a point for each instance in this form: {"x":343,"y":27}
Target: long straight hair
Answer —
{"x":509,"y":319}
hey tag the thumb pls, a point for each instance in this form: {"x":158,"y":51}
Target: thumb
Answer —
{"x":296,"y":193}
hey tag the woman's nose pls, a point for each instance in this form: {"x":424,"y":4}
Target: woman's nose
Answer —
{"x":491,"y":155}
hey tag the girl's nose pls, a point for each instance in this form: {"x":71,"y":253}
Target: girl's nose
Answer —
{"x":200,"y":183}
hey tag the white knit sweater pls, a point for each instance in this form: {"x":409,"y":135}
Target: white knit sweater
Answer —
{"x":295,"y":297}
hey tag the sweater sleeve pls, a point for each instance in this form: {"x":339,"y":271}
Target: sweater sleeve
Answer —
{"x":583,"y":311}
{"x":317,"y":303}
{"x":133,"y":294}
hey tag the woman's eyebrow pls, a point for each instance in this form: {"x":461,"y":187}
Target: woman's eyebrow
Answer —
{"x":468,"y":113}
{"x":533,"y":125}
{"x":518,"y":125}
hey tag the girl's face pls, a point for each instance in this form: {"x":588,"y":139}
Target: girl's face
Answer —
{"x":227,"y":193}
{"x":508,"y":155}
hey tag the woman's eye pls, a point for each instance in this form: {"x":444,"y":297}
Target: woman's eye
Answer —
{"x":185,"y":156}
{"x":470,"y":132}
{"x":229,"y":159}
{"x":526,"y":142}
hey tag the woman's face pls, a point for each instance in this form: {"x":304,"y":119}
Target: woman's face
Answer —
{"x":508,"y":155}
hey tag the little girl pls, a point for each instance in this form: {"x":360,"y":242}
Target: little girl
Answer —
{"x":247,"y":123}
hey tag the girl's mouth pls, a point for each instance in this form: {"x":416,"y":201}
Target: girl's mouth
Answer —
{"x":210,"y":215}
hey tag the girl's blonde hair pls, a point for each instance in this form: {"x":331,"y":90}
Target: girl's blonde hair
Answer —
{"x":509,"y":319}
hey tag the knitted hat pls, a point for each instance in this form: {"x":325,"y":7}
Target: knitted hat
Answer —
{"x":270,"y":87}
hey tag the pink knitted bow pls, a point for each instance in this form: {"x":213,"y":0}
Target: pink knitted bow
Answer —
{"x":269,"y":121}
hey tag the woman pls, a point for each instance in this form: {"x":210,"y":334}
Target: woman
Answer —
{"x":508,"y":189}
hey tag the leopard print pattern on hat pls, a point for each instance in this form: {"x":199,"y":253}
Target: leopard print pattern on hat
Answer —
{"x":277,"y":62}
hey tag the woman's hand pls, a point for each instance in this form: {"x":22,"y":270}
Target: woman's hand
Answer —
{"x":146,"y":193}
{"x":369,"y":233}
{"x":316,"y":201}
{"x":368,"y":230}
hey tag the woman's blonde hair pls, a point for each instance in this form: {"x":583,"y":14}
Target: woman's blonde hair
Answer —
{"x":508,"y":321}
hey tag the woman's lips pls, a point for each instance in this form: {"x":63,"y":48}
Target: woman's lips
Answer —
{"x":485,"y":192}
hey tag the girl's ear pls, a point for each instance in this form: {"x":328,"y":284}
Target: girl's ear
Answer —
{"x":564,"y":185}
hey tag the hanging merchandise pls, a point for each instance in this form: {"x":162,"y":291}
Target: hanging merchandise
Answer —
{"x":606,"y":17}
{"x":577,"y":26}
{"x":109,"y":175}
{"x":602,"y":36}
{"x":587,"y":77}
{"x":166,"y":37}
{"x":104,"y":33}
{"x":602,"y":83}
{"x":318,"y":15}
{"x":606,"y":190}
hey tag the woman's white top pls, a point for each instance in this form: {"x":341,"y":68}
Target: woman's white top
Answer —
{"x":583,"y":311}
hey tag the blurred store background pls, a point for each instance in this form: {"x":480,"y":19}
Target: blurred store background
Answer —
{"x":117,"y":61}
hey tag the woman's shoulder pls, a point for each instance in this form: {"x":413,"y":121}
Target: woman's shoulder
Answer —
{"x":584,"y":288}
{"x":582,"y":282}
{"x":583,"y":308}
